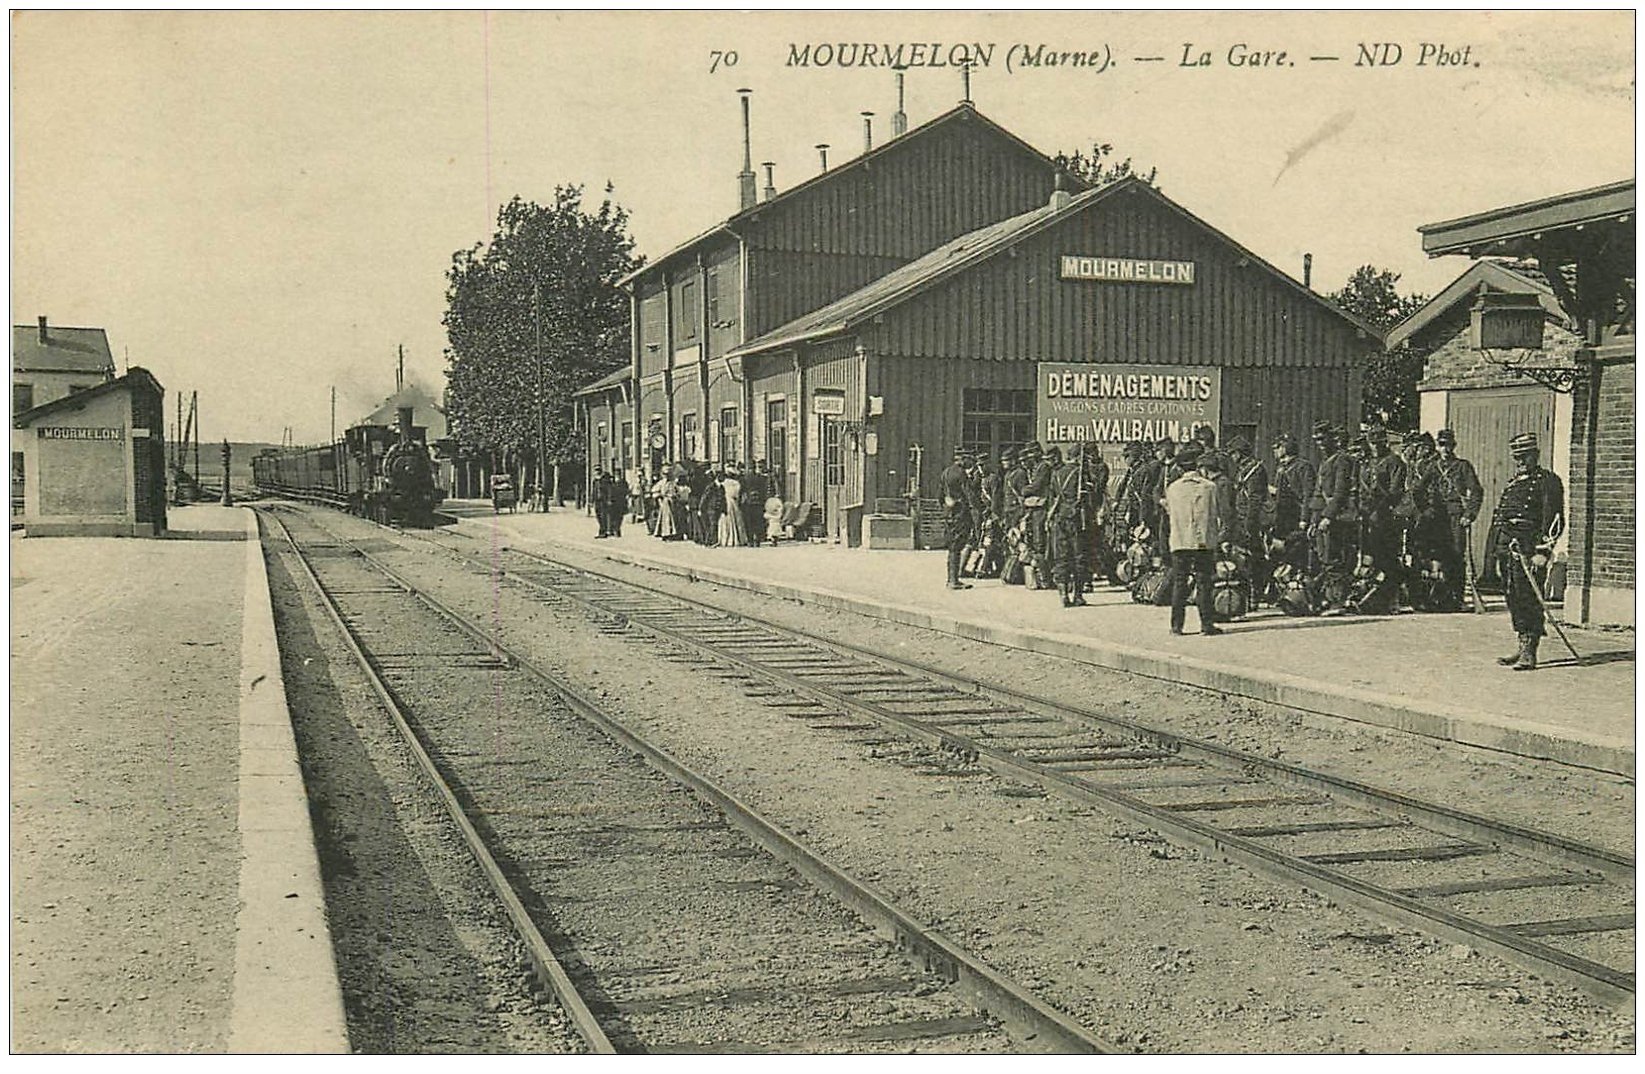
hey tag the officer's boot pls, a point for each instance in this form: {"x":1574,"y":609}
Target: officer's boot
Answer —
{"x":1527,"y":658}
{"x":1067,"y":587}
{"x":1514,"y":657}
{"x":1079,"y":585}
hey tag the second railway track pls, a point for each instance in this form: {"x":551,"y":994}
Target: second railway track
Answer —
{"x":1561,"y":908}
{"x":664,"y":914}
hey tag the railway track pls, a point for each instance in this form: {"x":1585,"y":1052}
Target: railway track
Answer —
{"x":663,"y":914}
{"x":1558,"y":907}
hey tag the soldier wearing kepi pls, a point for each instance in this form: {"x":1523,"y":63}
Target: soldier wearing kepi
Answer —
{"x":1035,"y":498}
{"x":1459,"y":487}
{"x":1331,"y":509}
{"x":1245,"y":523}
{"x":1074,"y":502}
{"x":960,"y":500}
{"x":1529,"y":519}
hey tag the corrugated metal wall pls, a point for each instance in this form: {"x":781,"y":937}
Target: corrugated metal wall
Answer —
{"x":1016,"y":306}
{"x":943,"y":182}
{"x":785,"y":284}
{"x":924,"y":404}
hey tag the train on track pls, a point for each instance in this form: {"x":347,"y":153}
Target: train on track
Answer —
{"x":376,"y":471}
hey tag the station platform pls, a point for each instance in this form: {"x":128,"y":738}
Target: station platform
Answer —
{"x":1432,"y":675}
{"x":165,"y":889}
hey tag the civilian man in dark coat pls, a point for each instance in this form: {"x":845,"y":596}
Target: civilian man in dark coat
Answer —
{"x":756,"y":490}
{"x":1529,"y":518}
{"x":959,"y":498}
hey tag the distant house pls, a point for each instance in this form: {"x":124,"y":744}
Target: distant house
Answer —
{"x":48,"y":363}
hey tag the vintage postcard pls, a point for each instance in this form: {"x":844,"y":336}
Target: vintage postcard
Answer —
{"x":834,"y":532}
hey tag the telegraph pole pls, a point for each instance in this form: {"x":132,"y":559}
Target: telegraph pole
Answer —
{"x":542,"y":427}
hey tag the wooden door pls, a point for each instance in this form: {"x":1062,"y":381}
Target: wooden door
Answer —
{"x":1484,"y":419}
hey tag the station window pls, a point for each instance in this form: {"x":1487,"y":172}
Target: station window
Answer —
{"x":728,"y":434}
{"x":688,"y":436}
{"x":776,"y":440}
{"x":22,"y":398}
{"x":688,"y":310}
{"x":833,"y":453}
{"x":997,"y":418}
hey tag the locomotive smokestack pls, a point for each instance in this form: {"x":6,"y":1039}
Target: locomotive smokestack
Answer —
{"x":405,"y":424}
{"x":745,"y":178}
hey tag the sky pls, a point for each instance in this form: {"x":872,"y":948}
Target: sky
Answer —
{"x":261,"y":206}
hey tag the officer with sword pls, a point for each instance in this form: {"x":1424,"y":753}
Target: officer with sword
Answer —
{"x":1529,"y":518}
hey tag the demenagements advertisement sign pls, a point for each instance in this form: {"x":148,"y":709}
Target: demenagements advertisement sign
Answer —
{"x":1111,"y":404}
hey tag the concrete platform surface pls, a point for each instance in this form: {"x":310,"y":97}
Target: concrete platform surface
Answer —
{"x":164,"y":885}
{"x":1432,"y":675}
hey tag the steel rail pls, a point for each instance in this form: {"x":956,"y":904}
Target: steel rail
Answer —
{"x":549,"y":971}
{"x":1547,"y":846}
{"x":1035,"y":1021}
{"x":1613,"y":986}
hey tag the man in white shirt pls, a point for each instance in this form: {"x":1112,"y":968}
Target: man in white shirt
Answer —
{"x":1197,"y":526}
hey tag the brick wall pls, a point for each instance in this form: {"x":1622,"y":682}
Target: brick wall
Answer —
{"x":1453,"y":362}
{"x":1609,"y":499}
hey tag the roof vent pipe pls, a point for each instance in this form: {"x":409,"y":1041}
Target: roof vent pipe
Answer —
{"x":745,"y":178}
{"x":822,"y":155}
{"x":770,"y":180}
{"x":1308,"y":271}
{"x":899,"y":118}
{"x":867,"y":131}
{"x":45,"y":337}
{"x":1060,"y":197}
{"x":965,"y":76}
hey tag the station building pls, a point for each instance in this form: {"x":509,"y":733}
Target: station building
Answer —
{"x":1582,"y":243}
{"x":931,"y":293}
{"x":48,"y":362}
{"x":94,"y":461}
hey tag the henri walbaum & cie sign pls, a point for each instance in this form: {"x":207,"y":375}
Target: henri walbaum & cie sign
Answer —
{"x":1111,"y":404}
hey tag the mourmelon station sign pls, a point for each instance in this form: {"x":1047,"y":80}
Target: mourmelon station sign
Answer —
{"x":1112,"y":404}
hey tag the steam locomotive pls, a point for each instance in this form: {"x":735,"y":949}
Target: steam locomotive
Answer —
{"x":373,"y":471}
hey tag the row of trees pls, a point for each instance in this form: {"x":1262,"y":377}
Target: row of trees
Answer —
{"x":536,"y":314}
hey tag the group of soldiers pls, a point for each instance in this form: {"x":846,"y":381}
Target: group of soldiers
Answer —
{"x":1367,"y":530}
{"x":1031,"y":517}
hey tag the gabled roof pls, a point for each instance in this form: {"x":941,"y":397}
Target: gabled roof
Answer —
{"x":1497,"y":275}
{"x":411,"y":394}
{"x":1495,"y":229}
{"x":964,"y":110}
{"x":136,"y":377}
{"x":611,"y":380}
{"x":917,"y":276}
{"x":66,"y":350}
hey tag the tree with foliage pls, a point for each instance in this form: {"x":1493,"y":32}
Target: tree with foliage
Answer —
{"x":552,"y":266}
{"x":1098,"y":166}
{"x":1372,"y":295}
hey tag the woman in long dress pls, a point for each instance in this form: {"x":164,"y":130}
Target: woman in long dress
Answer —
{"x":733,"y":530}
{"x":664,"y":491}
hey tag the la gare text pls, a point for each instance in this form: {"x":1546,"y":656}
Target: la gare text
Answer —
{"x":1241,"y":54}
